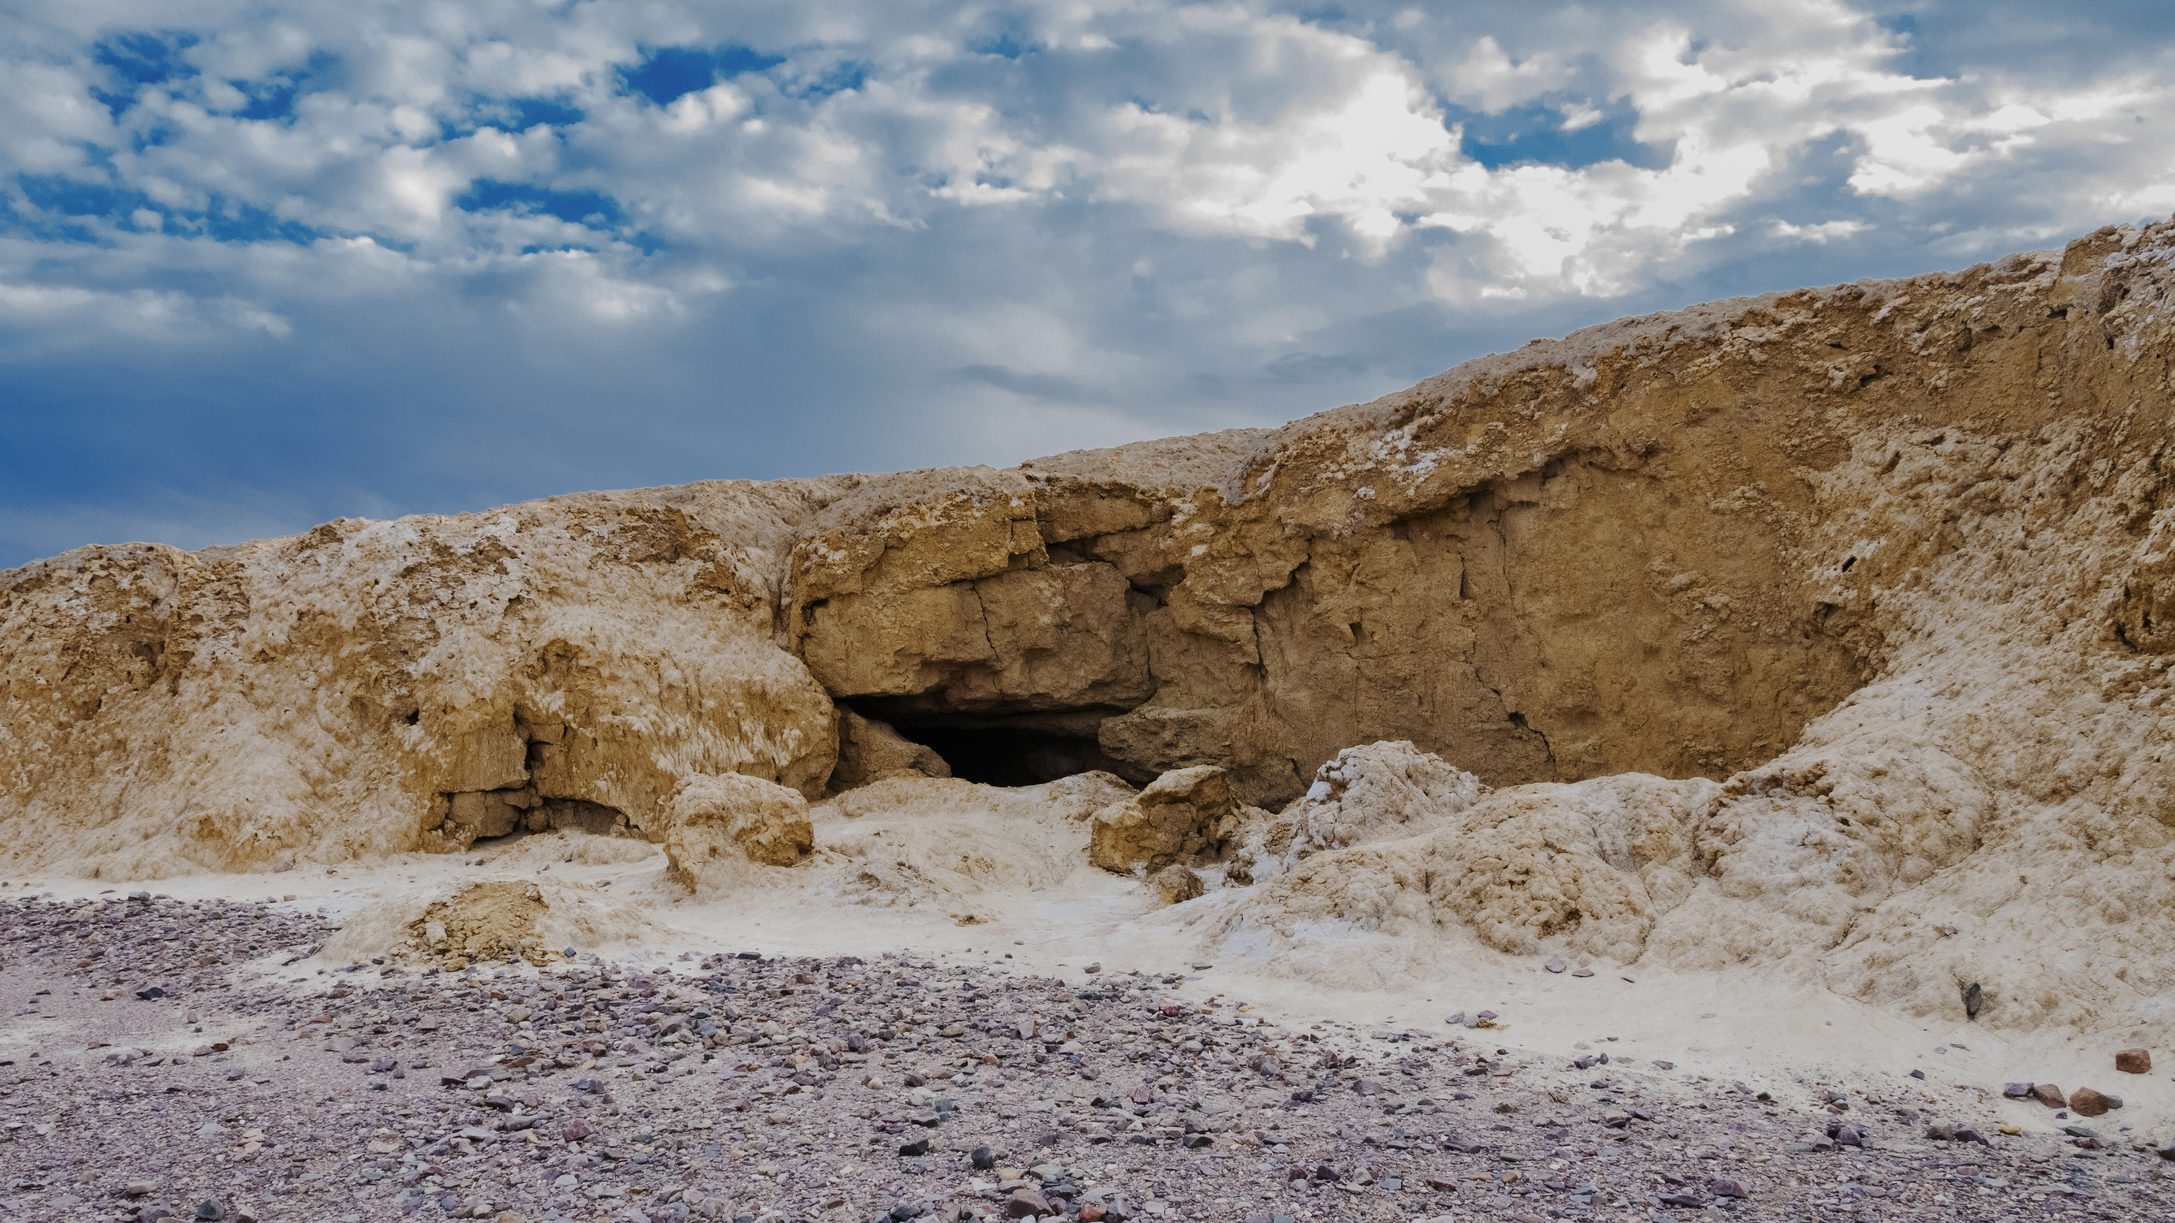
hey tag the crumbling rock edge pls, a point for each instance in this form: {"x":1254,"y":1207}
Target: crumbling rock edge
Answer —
{"x":1827,"y":631}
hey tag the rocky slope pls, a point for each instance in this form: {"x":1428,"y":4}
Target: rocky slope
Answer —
{"x":1828,"y":630}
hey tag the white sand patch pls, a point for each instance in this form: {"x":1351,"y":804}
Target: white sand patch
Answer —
{"x":999,"y":877}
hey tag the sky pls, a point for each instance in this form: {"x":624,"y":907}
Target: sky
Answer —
{"x":264,"y":265}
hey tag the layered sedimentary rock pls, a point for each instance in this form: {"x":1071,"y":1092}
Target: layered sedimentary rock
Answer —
{"x":1829,"y":628}
{"x":373,"y":687}
{"x":1186,"y":815}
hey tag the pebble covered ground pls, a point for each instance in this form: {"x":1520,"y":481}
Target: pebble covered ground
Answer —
{"x":170,"y":1060}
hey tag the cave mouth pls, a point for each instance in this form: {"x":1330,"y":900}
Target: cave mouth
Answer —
{"x":1006,"y":750}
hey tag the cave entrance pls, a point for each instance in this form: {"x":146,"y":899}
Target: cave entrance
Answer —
{"x":998,"y":750}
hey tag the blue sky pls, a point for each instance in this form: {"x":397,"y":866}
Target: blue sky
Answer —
{"x":264,"y":265}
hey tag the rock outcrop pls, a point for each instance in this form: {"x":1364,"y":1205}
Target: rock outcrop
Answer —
{"x":1183,"y":816}
{"x":1828,"y":629}
{"x":715,"y":823}
{"x":869,"y":750}
{"x":1373,"y":792}
{"x":374,"y":687}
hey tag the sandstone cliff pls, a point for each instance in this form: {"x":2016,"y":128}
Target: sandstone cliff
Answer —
{"x":1827,"y":629}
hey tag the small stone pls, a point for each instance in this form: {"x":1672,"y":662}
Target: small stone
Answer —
{"x":2016,"y":1091}
{"x":920,"y":1146}
{"x":210,"y":1211}
{"x":2134,"y":1061}
{"x":982,"y":1159}
{"x":1176,"y":884}
{"x":1025,"y":1204}
{"x":2086,"y":1102}
{"x":2048,"y":1094}
{"x":1555,"y":965}
{"x":1724,"y":1187}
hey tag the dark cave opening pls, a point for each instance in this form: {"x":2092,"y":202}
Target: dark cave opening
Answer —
{"x":1021,"y":750}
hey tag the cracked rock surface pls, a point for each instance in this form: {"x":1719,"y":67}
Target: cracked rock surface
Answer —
{"x":1823,"y":634}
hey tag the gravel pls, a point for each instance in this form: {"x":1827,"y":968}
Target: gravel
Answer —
{"x":253,"y":1084}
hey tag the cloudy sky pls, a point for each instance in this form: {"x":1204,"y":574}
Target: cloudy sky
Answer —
{"x":267,"y":264}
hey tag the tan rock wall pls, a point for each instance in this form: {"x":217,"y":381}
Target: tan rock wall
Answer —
{"x":1668,"y":545}
{"x":338,"y":693}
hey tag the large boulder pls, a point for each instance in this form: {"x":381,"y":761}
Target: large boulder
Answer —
{"x":719,"y":823}
{"x":1182,"y":816}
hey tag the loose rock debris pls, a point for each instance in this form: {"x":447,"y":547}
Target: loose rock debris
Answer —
{"x":171,"y":1060}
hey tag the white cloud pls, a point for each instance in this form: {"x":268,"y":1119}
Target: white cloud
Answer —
{"x":1487,"y":79}
{"x":1360,"y":143}
{"x":1225,"y":121}
{"x":1154,"y":218}
{"x":61,"y":313}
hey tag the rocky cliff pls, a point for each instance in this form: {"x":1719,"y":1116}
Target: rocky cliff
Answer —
{"x":1831,"y":624}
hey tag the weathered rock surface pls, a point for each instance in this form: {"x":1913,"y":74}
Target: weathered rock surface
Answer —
{"x":869,"y":750}
{"x":1182,"y":816}
{"x":1176,"y":884}
{"x":1374,"y":792}
{"x":373,"y":687}
{"x":1827,"y":629}
{"x":2091,"y":1102}
{"x":716,"y":822}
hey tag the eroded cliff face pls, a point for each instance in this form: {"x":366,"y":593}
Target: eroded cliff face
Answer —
{"x":1796,"y":626}
{"x":375,"y":687}
{"x":1618,"y":552}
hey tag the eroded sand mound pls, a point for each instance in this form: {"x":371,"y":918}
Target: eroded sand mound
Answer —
{"x":1827,"y":632}
{"x":487,"y":921}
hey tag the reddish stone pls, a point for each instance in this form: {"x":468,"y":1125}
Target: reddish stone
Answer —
{"x":2086,"y":1102}
{"x":2134,"y":1061}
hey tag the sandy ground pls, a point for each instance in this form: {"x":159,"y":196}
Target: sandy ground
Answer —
{"x":878,"y":888}
{"x":195,"y":1060}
